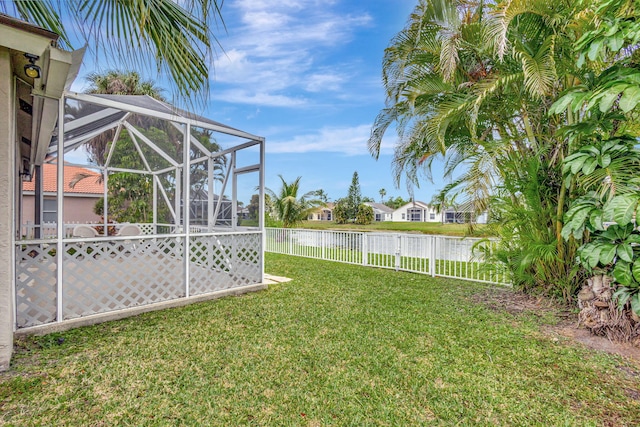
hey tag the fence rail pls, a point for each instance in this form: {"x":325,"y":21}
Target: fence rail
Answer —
{"x":445,"y":256}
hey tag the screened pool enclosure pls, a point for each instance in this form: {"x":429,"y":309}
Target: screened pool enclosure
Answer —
{"x":173,"y":183}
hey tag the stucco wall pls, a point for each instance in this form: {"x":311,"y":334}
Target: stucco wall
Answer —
{"x":6,"y":203}
{"x":76,"y":209}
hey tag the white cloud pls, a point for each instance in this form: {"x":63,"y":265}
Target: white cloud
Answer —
{"x":275,"y":47}
{"x":324,"y":81}
{"x":350,"y":141}
{"x":242,"y":96}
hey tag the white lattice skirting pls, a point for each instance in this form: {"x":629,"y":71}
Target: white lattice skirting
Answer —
{"x":103,"y":275}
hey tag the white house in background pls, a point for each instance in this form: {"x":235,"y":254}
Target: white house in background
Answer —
{"x":416,"y":212}
{"x":381,"y":212}
{"x":323,"y":213}
{"x":464,"y":214}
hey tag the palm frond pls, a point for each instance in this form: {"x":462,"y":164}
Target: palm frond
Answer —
{"x":539,"y":69}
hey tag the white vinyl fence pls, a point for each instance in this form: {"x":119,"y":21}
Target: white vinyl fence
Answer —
{"x":445,"y":256}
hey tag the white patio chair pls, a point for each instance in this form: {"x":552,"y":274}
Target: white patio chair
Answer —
{"x":129,"y":230}
{"x":84,"y":231}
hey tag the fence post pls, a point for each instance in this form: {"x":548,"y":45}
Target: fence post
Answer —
{"x":365,"y":250}
{"x":432,"y":257}
{"x":290,"y":239}
{"x":398,"y":250}
{"x":323,"y":244}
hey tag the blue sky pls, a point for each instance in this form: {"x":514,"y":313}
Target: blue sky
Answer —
{"x":306,"y":75}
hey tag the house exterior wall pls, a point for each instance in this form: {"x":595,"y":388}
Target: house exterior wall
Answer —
{"x":76,"y":208}
{"x":464,"y":217}
{"x":425,"y":213}
{"x":383,"y":216}
{"x":323,"y":215}
{"x":7,"y":183}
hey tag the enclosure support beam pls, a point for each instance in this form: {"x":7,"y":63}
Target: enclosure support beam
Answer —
{"x":234,"y":193}
{"x":236,"y":148}
{"x":155,"y":204}
{"x":178,"y":212}
{"x":210,"y":191}
{"x":39,"y":201}
{"x":194,"y":140}
{"x":261,"y":189}
{"x":60,"y":212}
{"x":140,"y":153}
{"x":158,"y":114}
{"x":151,"y":145}
{"x":261,"y":210}
{"x":247,"y":169}
{"x":105,"y":204}
{"x":114,"y":141}
{"x":186,"y":156}
{"x":156,"y":179}
{"x":224,"y":187}
{"x":86,"y":137}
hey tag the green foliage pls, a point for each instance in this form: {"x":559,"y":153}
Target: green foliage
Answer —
{"x":364,"y":215}
{"x":607,"y":163}
{"x":322,"y":196}
{"x":354,"y":198}
{"x":395,"y":203}
{"x":254,"y":206}
{"x":290,"y":208}
{"x":533,"y":107}
{"x":171,"y":39}
{"x":341,"y":212}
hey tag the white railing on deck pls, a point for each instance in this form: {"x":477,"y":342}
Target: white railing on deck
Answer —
{"x":48,"y":229}
{"x":444,"y":256}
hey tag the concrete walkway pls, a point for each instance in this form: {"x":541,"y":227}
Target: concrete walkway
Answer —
{"x":270,"y":279}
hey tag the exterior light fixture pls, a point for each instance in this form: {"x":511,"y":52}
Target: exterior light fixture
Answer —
{"x":31,"y":69}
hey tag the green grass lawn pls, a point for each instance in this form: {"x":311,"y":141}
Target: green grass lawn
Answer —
{"x":340,"y":345}
{"x":415,"y":227}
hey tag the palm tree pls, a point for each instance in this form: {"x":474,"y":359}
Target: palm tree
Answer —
{"x":382,"y":193}
{"x":455,"y":92}
{"x":290,"y":208}
{"x":322,"y":195}
{"x":168,"y":36}
{"x":165,"y":135}
{"x":115,"y":82}
{"x":118,"y":82}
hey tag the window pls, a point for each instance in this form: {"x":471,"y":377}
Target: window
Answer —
{"x":49,"y":210}
{"x":415,"y":214}
{"x":378,"y":217}
{"x":403,"y":216}
{"x":432,"y":216}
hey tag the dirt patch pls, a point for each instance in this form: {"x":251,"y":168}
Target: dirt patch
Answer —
{"x":518,"y":303}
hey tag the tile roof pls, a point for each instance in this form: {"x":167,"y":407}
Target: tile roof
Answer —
{"x":50,"y":180}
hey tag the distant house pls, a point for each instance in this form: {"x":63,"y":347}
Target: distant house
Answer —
{"x":463,"y":214}
{"x":416,"y":212}
{"x":322,"y":213}
{"x":199,"y":209}
{"x":381,"y":212}
{"x":79,"y":200}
